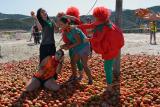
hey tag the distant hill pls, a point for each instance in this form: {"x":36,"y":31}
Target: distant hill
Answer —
{"x":155,"y":8}
{"x":14,"y":24}
{"x":17,"y":21}
{"x":12,"y":16}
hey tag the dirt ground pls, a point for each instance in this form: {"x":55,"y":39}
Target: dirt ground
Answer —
{"x":18,"y":46}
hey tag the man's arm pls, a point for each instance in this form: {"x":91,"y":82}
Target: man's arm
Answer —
{"x":60,"y":65}
{"x":36,"y":21}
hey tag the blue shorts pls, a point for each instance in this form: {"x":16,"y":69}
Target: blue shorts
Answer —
{"x":84,"y":51}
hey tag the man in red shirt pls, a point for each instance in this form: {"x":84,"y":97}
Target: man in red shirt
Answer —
{"x":46,"y":76}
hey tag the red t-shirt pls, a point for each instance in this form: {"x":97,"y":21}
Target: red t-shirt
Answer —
{"x":49,"y":69}
{"x":64,"y":37}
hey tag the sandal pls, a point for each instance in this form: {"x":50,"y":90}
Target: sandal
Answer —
{"x":72,"y":78}
{"x":90,"y":82}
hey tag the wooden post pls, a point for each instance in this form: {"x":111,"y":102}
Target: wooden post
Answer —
{"x":118,"y":22}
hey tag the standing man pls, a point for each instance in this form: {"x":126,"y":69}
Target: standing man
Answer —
{"x":36,"y":34}
{"x":153,"y":30}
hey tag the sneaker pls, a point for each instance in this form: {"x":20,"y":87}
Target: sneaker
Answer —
{"x":155,"y":43}
{"x":80,"y":76}
{"x":72,"y":78}
{"x":90,"y":82}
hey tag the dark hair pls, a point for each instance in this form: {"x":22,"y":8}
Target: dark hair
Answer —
{"x":39,"y":17}
{"x":72,"y":22}
{"x":64,"y":20}
{"x":61,"y":52}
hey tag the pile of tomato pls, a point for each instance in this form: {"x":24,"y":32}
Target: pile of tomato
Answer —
{"x":138,"y":85}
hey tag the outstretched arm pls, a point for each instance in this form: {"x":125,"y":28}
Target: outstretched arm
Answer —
{"x":67,"y":46}
{"x":60,"y":65}
{"x":87,"y":26}
{"x":36,"y":21}
{"x":73,"y":18}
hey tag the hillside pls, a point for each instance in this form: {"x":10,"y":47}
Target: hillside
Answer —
{"x":12,"y":16}
{"x":17,"y":21}
{"x":14,"y":24}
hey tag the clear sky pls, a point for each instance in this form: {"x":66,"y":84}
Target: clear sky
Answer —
{"x":55,"y":6}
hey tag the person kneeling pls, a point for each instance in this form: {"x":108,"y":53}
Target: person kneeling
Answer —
{"x":47,"y":73}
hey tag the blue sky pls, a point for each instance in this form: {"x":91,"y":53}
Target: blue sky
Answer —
{"x":55,"y":6}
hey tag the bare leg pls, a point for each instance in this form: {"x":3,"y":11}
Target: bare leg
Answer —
{"x":79,"y":63}
{"x":151,"y":33}
{"x":33,"y":84}
{"x":154,"y":36}
{"x":73,"y":66}
{"x":80,"y":68}
{"x":74,"y":71}
{"x":86,"y":68}
{"x":51,"y":85}
{"x":31,"y":37}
